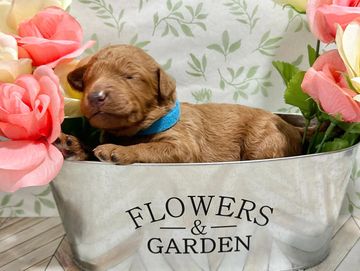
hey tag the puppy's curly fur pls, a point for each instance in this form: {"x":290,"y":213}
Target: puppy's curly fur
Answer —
{"x":126,"y":90}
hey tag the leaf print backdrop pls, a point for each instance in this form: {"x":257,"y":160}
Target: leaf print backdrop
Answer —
{"x":217,"y":50}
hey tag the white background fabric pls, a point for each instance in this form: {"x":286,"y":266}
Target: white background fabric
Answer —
{"x":256,"y":31}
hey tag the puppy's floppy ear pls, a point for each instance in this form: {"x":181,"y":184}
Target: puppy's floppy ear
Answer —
{"x":166,"y":87}
{"x":75,"y":78}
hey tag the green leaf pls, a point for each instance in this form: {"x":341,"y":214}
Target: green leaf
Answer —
{"x":19,"y":212}
{"x":37,"y":207}
{"x":294,"y":95}
{"x":232,"y":72}
{"x":191,"y":10}
{"x":196,"y":61}
{"x":6,"y":199}
{"x":20,"y":203}
{"x":298,"y":61}
{"x":225,"y":40}
{"x":193,"y":67}
{"x":142,"y":44}
{"x":178,"y":14}
{"x":217,"y":48}
{"x":201,"y":16}
{"x":45,"y":192}
{"x":47,"y":203}
{"x":110,"y":24}
{"x":194,"y":74}
{"x":239,"y":72}
{"x":204,"y":62}
{"x":336,"y":144}
{"x":264,"y":37}
{"x":198,"y":9}
{"x":265,"y":53}
{"x":202,"y":25}
{"x":236,"y":96}
{"x":353,"y":128}
{"x":235,"y":46}
{"x":167,"y":65}
{"x":177,"y":5}
{"x":134,"y":39}
{"x":222,"y":84}
{"x":243,"y":94}
{"x":173,"y":30}
{"x":311,"y":54}
{"x":242,"y":21}
{"x":272,"y":41}
{"x":187,"y":31}
{"x":264,"y":92}
{"x":252,"y":71}
{"x":156,"y":18}
{"x":166,"y":31}
{"x":286,"y":70}
{"x":245,"y":86}
{"x":169,"y":4}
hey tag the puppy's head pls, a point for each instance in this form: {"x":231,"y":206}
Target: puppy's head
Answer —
{"x":125,"y":90}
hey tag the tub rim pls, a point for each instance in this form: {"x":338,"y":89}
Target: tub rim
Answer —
{"x":298,"y":157}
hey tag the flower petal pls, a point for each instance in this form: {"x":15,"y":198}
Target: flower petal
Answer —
{"x":50,"y":161}
{"x":74,"y":54}
{"x":4,"y":11}
{"x":49,"y":84}
{"x":21,"y":155}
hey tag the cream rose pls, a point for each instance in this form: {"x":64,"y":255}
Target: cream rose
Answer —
{"x":348,"y":43}
{"x":10,"y":66}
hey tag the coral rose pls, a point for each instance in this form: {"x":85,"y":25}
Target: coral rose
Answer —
{"x":325,"y":82}
{"x":51,"y":36}
{"x":10,"y":66}
{"x":325,"y":15}
{"x":14,"y":12}
{"x":31,"y":111}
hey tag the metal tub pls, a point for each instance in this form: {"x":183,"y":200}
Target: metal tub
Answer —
{"x":150,"y":216}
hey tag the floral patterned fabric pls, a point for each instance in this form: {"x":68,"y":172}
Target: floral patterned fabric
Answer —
{"x":218,"y":51}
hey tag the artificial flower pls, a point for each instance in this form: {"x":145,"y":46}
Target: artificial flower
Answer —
{"x":31,"y":112}
{"x":325,"y":15}
{"x":298,"y":5}
{"x":51,"y":36}
{"x":325,"y":82}
{"x":348,"y":43}
{"x":12,"y":13}
{"x":31,"y":108}
{"x":10,"y":66}
{"x":72,"y":97}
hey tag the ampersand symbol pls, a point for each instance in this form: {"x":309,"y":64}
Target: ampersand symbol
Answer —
{"x":198,"y":229}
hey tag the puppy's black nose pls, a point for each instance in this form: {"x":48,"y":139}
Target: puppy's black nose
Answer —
{"x":96,"y":97}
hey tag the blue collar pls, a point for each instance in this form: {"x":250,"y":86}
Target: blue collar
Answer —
{"x":164,"y":123}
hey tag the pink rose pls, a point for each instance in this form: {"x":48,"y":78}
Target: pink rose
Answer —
{"x":31,"y":112}
{"x":325,"y":83}
{"x":325,"y":15}
{"x":50,"y":36}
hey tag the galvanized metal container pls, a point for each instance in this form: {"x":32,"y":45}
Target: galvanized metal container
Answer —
{"x":150,"y":216}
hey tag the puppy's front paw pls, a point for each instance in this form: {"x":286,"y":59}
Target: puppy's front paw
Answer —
{"x":71,"y":148}
{"x":115,"y":154}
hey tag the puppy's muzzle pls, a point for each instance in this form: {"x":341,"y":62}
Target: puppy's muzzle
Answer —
{"x":97,"y":98}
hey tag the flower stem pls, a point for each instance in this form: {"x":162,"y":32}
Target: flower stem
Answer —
{"x":307,"y":123}
{"x":318,"y":48}
{"x":326,"y":136}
